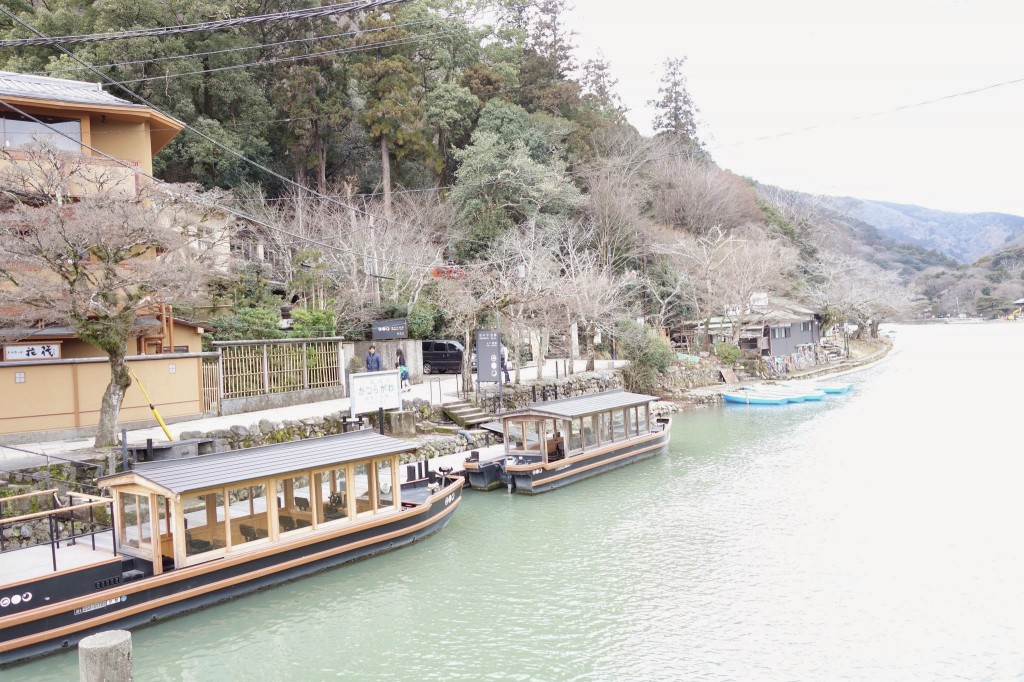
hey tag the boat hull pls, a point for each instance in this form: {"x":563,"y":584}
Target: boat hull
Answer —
{"x":62,"y":624}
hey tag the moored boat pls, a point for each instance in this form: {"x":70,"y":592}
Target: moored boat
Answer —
{"x":177,"y":535}
{"x":743,"y":397}
{"x":554,"y":443}
{"x":796,"y":394}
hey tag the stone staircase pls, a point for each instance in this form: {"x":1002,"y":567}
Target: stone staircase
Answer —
{"x":466,"y":414}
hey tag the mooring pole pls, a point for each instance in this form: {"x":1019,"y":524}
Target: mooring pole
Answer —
{"x":380,"y":419}
{"x":106,"y":657}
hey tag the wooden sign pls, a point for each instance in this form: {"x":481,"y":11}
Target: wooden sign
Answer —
{"x":32,"y":351}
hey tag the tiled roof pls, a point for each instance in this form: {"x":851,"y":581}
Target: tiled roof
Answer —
{"x":224,"y":468}
{"x":588,"y":404}
{"x":57,"y":89}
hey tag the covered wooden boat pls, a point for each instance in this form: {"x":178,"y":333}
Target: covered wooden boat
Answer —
{"x":553,"y":443}
{"x":177,"y":535}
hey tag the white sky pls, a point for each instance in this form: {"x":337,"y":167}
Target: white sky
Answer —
{"x":760,"y":71}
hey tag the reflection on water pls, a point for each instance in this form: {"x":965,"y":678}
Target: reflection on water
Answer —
{"x":870,"y":536}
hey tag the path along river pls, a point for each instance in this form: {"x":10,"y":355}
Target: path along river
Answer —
{"x":873,"y":536}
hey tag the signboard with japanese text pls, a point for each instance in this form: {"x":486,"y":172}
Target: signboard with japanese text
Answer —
{"x":371,"y":391}
{"x":385,"y":330}
{"x":488,"y":356}
{"x":32,"y":351}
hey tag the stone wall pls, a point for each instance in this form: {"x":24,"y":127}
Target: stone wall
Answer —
{"x":521,"y":395}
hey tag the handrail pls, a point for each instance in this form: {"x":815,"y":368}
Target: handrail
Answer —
{"x":34,"y":493}
{"x":49,"y":512}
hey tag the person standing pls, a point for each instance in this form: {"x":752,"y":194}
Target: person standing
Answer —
{"x":373,"y":360}
{"x":400,"y":358}
{"x":504,"y":367}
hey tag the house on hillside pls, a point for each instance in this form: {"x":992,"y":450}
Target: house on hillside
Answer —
{"x":89,"y":118}
{"x":52,"y":380}
{"x":769,"y":326}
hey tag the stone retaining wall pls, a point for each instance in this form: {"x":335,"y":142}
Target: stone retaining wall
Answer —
{"x":516,"y":396}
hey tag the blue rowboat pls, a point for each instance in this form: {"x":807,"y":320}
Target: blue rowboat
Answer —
{"x":753,"y":398}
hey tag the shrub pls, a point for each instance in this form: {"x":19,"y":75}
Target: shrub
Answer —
{"x":728,"y":353}
{"x":649,"y":356}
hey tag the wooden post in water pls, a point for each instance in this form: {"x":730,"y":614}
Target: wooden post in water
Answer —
{"x":106,"y":657}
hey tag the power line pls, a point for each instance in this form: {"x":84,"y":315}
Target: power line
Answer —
{"x":308,"y":13}
{"x":227,"y":209}
{"x":875,"y":114}
{"x":217,"y":143}
{"x":293,"y":58}
{"x":229,"y":50}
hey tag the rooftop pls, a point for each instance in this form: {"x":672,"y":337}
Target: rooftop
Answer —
{"x":57,"y":89}
{"x":578,"y":406}
{"x":177,"y":476}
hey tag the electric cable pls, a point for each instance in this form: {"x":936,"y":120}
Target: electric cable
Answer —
{"x":307,"y":13}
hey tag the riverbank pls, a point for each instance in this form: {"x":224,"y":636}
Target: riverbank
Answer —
{"x":863,"y":354}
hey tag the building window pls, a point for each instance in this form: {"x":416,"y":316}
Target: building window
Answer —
{"x":19,"y":377}
{"x":805,"y":326}
{"x":780,"y":332}
{"x":18,"y":131}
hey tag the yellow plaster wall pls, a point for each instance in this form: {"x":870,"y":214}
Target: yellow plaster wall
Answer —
{"x":61,"y":396}
{"x":125,"y":140}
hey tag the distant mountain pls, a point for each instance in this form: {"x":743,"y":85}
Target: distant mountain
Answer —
{"x":965,"y":237}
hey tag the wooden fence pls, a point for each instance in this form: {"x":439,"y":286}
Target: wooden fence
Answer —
{"x":253,"y":368}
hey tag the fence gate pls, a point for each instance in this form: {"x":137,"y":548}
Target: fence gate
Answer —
{"x":211,"y":387}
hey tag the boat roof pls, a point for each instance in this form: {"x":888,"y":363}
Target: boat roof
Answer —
{"x":586,"y":404}
{"x":176,"y":476}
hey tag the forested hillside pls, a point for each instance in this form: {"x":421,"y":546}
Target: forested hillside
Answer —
{"x":965,"y":237}
{"x":451,"y":161}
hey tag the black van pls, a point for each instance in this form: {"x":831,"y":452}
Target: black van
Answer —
{"x":442,"y":355}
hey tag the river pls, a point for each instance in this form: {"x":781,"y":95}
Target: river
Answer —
{"x":875,"y":535}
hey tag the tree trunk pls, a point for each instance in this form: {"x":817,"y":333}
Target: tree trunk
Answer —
{"x":110,"y":407}
{"x":538,"y":339}
{"x":385,"y":175}
{"x":574,"y":346}
{"x":467,"y":362}
{"x":320,"y":149}
{"x":591,"y":351}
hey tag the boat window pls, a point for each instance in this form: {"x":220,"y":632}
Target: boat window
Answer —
{"x":575,"y":429}
{"x":248,"y":509}
{"x":644,"y":412}
{"x":590,"y":431}
{"x":606,"y":427}
{"x":618,"y":424}
{"x":364,"y":489}
{"x":333,"y":495}
{"x":385,"y":484}
{"x":634,"y":427}
{"x":204,"y":522}
{"x":135,"y":523}
{"x":293,"y":503}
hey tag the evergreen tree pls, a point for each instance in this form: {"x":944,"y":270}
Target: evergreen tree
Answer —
{"x":677,"y":114}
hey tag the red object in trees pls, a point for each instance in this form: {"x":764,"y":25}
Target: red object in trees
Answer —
{"x":448,"y":272}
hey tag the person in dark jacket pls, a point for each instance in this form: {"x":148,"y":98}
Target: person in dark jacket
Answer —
{"x":373,"y":360}
{"x":400,"y":357}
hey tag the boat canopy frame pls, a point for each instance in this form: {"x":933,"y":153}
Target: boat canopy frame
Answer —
{"x":553,"y":430}
{"x":192,"y":510}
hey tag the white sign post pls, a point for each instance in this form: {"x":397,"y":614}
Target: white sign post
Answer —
{"x":375,"y":392}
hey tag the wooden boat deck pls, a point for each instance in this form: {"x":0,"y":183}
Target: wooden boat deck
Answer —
{"x":31,"y":562}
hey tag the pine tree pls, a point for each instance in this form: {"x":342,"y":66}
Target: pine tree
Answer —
{"x":677,"y":114}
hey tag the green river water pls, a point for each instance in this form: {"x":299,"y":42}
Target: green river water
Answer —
{"x":872,"y":536}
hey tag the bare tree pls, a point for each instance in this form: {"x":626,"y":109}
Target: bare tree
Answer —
{"x":595,"y":299}
{"x":756,"y":264}
{"x":93,"y":261}
{"x":845,"y":287}
{"x":694,"y":195}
